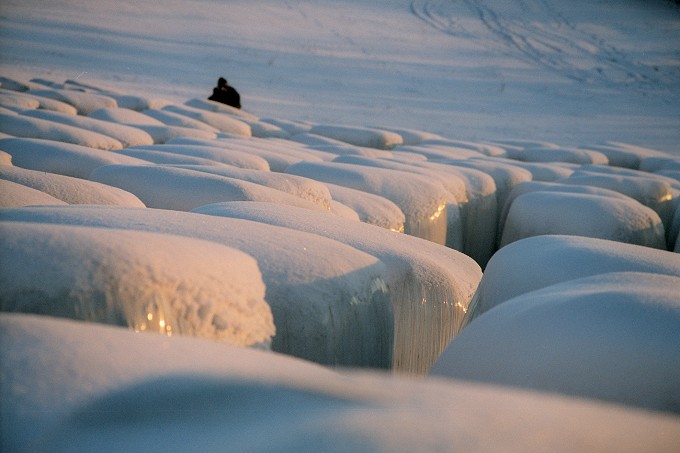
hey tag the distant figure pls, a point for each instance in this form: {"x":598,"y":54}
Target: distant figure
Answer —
{"x":225,"y":94}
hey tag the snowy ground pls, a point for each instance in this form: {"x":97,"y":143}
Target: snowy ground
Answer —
{"x":486,"y":193}
{"x":568,"y":72}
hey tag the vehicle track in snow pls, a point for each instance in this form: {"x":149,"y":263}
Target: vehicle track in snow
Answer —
{"x":537,"y":33}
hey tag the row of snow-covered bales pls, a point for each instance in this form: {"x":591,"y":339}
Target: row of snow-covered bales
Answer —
{"x":202,"y":220}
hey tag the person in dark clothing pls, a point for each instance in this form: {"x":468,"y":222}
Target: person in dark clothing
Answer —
{"x":226,"y":94}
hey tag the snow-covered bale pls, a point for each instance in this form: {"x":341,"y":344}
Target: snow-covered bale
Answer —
{"x":567,"y":155}
{"x":166,"y":158}
{"x":43,"y":102}
{"x":218,"y":107}
{"x":372,"y":209}
{"x":454,"y":186}
{"x":233,"y":157}
{"x":610,"y":336}
{"x":660,"y":163}
{"x":538,"y":213}
{"x":17,"y":101}
{"x":336,"y":147}
{"x":222,"y":122}
{"x":14,"y":195}
{"x":430,"y":285}
{"x":61,"y":158}
{"x":28,"y":127}
{"x":145,"y":281}
{"x":329,"y":300}
{"x":410,"y":136}
{"x":541,"y":171}
{"x":484,"y":148}
{"x":69,"y":189}
{"x":181,"y":189}
{"x":305,"y":188}
{"x":175,"y":119}
{"x":541,"y":261}
{"x":125,"y":116}
{"x":438,"y":152}
{"x":651,"y":192}
{"x":290,"y":126}
{"x":92,"y":383}
{"x":422,"y":201}
{"x":624,"y":155}
{"x":278,"y":157}
{"x":359,"y":136}
{"x":126,"y":135}
{"x":85,"y":103}
{"x":159,"y":131}
{"x":545,"y":186}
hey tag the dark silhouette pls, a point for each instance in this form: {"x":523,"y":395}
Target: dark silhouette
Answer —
{"x":225,"y":94}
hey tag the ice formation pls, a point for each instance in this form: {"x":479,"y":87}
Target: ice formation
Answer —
{"x":145,"y":281}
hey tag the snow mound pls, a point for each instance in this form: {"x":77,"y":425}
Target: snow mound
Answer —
{"x":14,"y":195}
{"x":329,"y":300}
{"x":372,"y":209}
{"x":175,"y":119}
{"x":305,"y":188}
{"x":430,"y":286}
{"x":84,"y":103}
{"x":62,"y":158}
{"x":28,"y":127}
{"x":233,"y":157}
{"x":538,"y":213}
{"x":145,"y":281}
{"x":610,"y":336}
{"x":422,"y":201}
{"x":126,"y":135}
{"x":182,"y":189}
{"x":221,"y":122}
{"x":69,"y":189}
{"x":359,"y":136}
{"x":540,"y":261}
{"x":100,"y":388}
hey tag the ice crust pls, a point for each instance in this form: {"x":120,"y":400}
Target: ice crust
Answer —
{"x":145,"y":281}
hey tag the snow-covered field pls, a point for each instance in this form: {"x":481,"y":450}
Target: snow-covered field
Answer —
{"x":434,"y":226}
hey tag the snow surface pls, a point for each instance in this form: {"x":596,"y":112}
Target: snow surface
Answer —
{"x":87,"y":387}
{"x":467,"y":102}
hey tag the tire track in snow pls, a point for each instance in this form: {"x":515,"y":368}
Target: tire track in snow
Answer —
{"x":552,"y":41}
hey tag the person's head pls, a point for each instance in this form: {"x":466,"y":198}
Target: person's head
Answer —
{"x":221,"y":82}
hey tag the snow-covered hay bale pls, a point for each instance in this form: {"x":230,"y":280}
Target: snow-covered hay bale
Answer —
{"x":651,"y":192}
{"x":610,"y":336}
{"x":290,"y":126}
{"x":16,"y":101}
{"x":541,"y":261}
{"x":175,"y":119}
{"x":222,"y":122}
{"x":14,"y":195}
{"x":438,"y":152}
{"x":567,"y":155}
{"x":359,"y":136}
{"x":624,"y":155}
{"x":125,"y":116}
{"x":430,"y":285}
{"x":61,"y":158}
{"x":305,"y":188}
{"x":218,"y":107}
{"x":91,"y":383}
{"x":69,"y":189}
{"x":277,"y":155}
{"x":329,"y":300}
{"x":546,"y":186}
{"x":27,"y":127}
{"x":372,"y":209}
{"x":145,"y":281}
{"x":180,"y":189}
{"x":85,"y":103}
{"x":126,"y":135}
{"x":539,"y":213}
{"x":166,"y":158}
{"x":233,"y":157}
{"x":422,"y":201}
